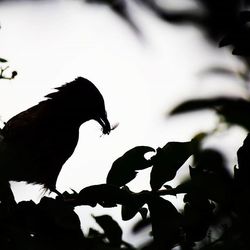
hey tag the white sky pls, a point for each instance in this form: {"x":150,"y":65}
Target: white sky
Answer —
{"x":50,"y":43}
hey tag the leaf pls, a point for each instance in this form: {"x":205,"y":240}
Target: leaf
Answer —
{"x":143,"y":211}
{"x":105,"y":195}
{"x":242,"y":173}
{"x":13,"y":74}
{"x":124,"y":168}
{"x":93,"y":233}
{"x":198,"y":213}
{"x":119,"y":8}
{"x":220,"y":70}
{"x":244,"y":157}
{"x":213,"y":185}
{"x":141,"y":224}
{"x":111,"y":229}
{"x":167,"y":161}
{"x":198,"y":104}
{"x":63,"y":215}
{"x":239,"y":35}
{"x":130,"y":210}
{"x":210,"y":178}
{"x":234,"y":110}
{"x":166,"y":223}
{"x":2,"y":60}
{"x":210,"y":159}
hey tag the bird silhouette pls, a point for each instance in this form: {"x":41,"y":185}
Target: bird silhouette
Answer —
{"x":36,"y":143}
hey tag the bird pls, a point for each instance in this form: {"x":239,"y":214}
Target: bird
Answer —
{"x":35,"y":144}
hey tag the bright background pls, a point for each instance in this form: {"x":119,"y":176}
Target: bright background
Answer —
{"x":141,"y":78}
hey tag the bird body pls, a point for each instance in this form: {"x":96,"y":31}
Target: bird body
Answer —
{"x":37,"y":142}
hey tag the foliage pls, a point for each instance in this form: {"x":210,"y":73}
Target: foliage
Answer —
{"x":3,"y":69}
{"x":214,"y":201}
{"x":215,"y":212}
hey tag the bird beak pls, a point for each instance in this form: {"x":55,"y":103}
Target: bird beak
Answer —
{"x":104,"y":122}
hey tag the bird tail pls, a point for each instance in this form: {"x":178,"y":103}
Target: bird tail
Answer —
{"x":6,"y":195}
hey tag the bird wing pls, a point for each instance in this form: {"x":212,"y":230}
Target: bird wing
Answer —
{"x":26,"y":124}
{"x":34,"y":148}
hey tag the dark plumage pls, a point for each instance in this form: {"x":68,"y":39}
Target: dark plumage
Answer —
{"x":37,"y":142}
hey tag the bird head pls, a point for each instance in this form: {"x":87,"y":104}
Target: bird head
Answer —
{"x":81,"y":101}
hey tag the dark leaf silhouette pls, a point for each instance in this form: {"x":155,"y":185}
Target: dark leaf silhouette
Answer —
{"x":242,"y":190}
{"x":233,"y":110}
{"x":105,"y":195}
{"x":243,"y":154}
{"x":239,"y":35}
{"x":2,"y":60}
{"x":111,"y":229}
{"x":166,"y":223}
{"x":62,"y":214}
{"x":131,"y":209}
{"x":241,"y":176}
{"x":37,"y":142}
{"x":198,"y":213}
{"x":211,"y":185}
{"x":141,"y":224}
{"x":210,"y":160}
{"x":51,"y":224}
{"x":215,"y":18}
{"x":124,"y":168}
{"x":167,"y":161}
{"x":143,"y":211}
{"x":209,"y":178}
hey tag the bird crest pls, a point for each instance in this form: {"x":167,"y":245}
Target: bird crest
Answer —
{"x":75,"y":89}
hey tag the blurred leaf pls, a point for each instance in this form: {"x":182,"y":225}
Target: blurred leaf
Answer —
{"x":141,"y":224}
{"x":144,"y":212}
{"x":233,"y":110}
{"x":244,"y":158}
{"x":111,"y":229}
{"x":119,"y":7}
{"x":2,"y":60}
{"x":105,"y":195}
{"x":239,"y":35}
{"x":93,"y":233}
{"x":213,"y":185}
{"x":211,"y":16}
{"x":166,"y":223}
{"x":242,"y":174}
{"x":124,"y":168}
{"x":197,"y":104}
{"x":167,"y":161}
{"x":212,"y":160}
{"x":220,"y":70}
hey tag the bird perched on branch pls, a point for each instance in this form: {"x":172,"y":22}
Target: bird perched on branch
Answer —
{"x":37,"y":142}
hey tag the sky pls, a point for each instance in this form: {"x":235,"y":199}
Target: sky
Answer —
{"x":141,"y":78}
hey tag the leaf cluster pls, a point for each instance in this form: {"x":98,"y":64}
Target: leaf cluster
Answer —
{"x":215,"y":211}
{"x":211,"y":196}
{"x":3,"y":70}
